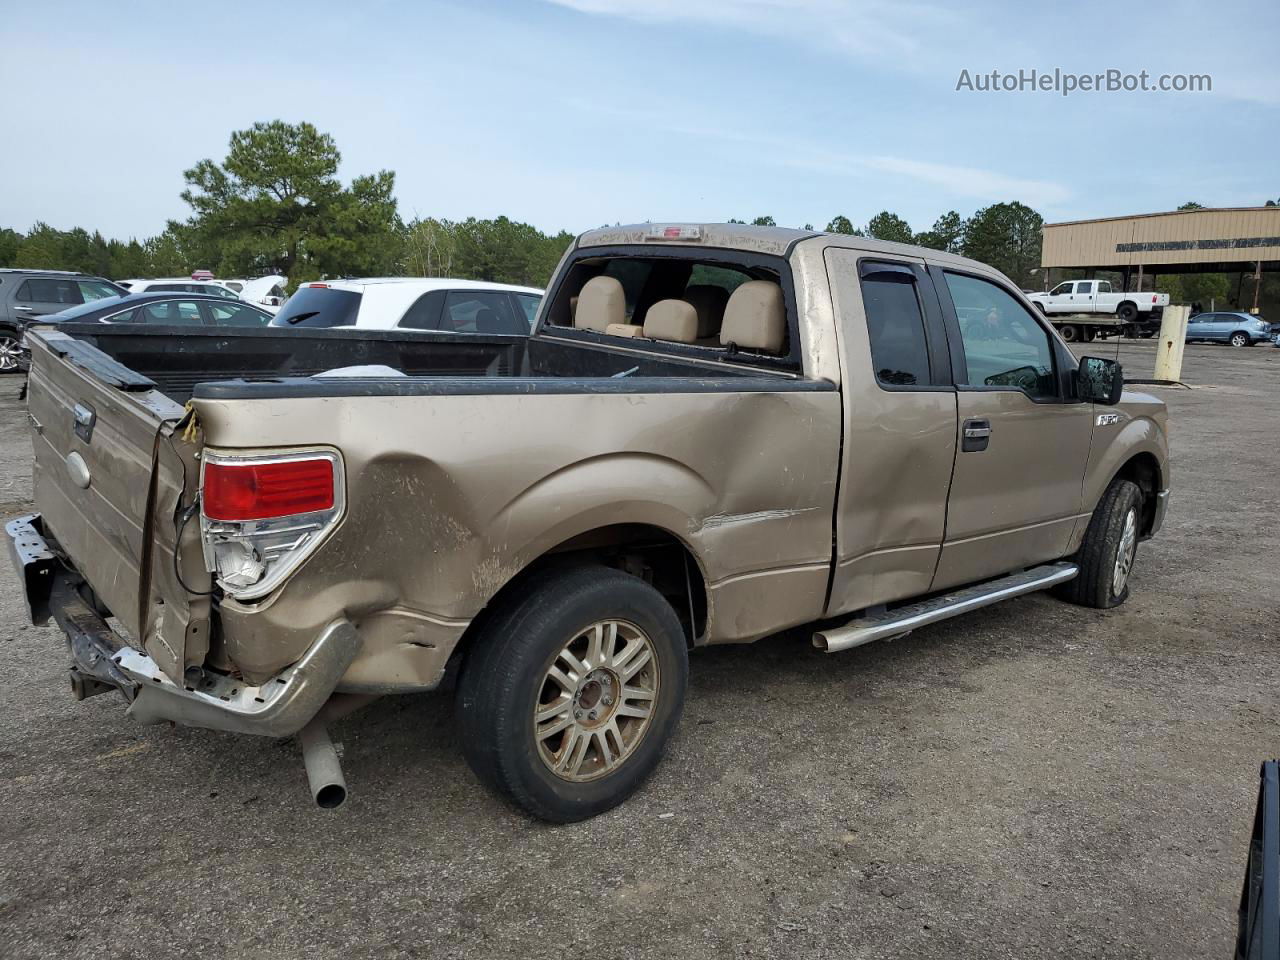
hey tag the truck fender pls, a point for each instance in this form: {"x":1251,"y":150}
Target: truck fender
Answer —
{"x":1135,"y":450}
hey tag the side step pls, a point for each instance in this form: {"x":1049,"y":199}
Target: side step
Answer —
{"x":894,"y":623}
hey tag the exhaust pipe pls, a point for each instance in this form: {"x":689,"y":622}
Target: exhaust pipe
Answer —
{"x":324,"y":769}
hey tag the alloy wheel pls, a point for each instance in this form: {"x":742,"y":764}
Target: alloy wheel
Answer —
{"x":596,"y":701}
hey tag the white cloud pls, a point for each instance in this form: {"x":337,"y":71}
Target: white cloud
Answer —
{"x":870,"y":29}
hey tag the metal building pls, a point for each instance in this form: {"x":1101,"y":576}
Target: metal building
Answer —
{"x":1223,"y":240}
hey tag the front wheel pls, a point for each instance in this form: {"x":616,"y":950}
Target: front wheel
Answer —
{"x":575,"y":687}
{"x":1110,"y":547}
{"x":1240,"y":339}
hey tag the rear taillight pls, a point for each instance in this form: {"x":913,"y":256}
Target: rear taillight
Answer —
{"x":261,"y":516}
{"x":261,"y":490}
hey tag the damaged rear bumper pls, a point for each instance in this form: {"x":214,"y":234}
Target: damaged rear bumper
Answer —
{"x":101,"y":660}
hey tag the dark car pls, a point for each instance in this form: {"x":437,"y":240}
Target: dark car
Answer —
{"x":164,"y":309}
{"x":28,"y":295}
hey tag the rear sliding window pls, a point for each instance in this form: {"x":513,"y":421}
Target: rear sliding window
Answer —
{"x":319,"y":307}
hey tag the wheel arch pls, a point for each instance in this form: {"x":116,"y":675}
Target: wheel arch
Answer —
{"x":1143,"y":469}
{"x":647,"y":551}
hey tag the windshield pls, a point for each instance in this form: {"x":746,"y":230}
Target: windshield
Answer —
{"x":319,"y":307}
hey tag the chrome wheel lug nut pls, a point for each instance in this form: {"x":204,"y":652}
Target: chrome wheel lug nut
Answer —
{"x":607,"y":700}
{"x":593,"y":714}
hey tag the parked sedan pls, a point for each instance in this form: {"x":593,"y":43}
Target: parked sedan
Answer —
{"x":1236,"y":328}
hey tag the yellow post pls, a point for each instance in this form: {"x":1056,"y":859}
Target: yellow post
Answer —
{"x":1173,"y":339}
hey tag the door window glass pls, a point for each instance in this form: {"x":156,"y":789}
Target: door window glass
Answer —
{"x":529,"y":304}
{"x":1086,"y":287}
{"x":96,"y":290}
{"x":424,"y":313}
{"x":1003,"y":344}
{"x":1060,"y":289}
{"x":467,"y":311}
{"x":237,"y":315}
{"x":171,"y":312}
{"x":50,"y":290}
{"x":899,"y":351}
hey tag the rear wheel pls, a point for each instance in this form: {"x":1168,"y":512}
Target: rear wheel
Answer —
{"x":1070,"y":332}
{"x":1239,"y":339}
{"x":1127,"y":312}
{"x":10,"y":353}
{"x":568,"y":701}
{"x":1088,"y":334}
{"x":1110,"y":547}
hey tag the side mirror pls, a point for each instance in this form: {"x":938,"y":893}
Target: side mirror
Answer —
{"x":1100,"y":380}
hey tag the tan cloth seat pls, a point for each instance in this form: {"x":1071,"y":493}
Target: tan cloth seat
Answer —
{"x":624,"y":330}
{"x":600,"y":303}
{"x":673,"y":320}
{"x":755,"y":317}
{"x":709,"y":301}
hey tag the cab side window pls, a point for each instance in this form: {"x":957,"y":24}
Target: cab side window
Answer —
{"x":895,"y":324}
{"x":1004,"y":346}
{"x":50,"y":291}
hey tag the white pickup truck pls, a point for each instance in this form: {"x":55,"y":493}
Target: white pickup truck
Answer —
{"x":1096,"y":296}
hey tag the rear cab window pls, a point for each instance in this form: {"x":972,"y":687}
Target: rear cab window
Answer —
{"x":704,"y":279}
{"x":316,"y":306}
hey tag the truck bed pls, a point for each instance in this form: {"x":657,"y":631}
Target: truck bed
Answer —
{"x":174,"y":360}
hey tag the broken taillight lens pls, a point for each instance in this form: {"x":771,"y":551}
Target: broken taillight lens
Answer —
{"x":261,"y":516}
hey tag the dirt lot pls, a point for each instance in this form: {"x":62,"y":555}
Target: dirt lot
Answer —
{"x":1031,"y":780}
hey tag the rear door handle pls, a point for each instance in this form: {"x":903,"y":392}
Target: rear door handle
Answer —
{"x":975,"y":436}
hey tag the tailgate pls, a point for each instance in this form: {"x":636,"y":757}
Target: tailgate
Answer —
{"x":110,"y":465}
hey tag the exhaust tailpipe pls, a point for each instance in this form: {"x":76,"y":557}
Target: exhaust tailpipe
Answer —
{"x":324,"y":769}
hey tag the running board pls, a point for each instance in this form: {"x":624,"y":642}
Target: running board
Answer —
{"x":895,"y":623}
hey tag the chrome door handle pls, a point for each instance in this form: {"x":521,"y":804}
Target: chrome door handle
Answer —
{"x":975,"y":436}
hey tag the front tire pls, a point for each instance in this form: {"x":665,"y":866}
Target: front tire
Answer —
{"x":1240,"y":340}
{"x":572,"y":692}
{"x":1110,"y":547}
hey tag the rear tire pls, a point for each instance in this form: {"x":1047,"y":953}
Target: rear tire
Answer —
{"x":1070,"y":332}
{"x":1109,"y":549}
{"x":1239,"y":339}
{"x":1088,"y":335}
{"x":10,"y":354}
{"x":1128,"y":312}
{"x":580,"y":655}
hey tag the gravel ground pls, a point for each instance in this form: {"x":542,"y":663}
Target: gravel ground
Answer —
{"x":1031,"y":780}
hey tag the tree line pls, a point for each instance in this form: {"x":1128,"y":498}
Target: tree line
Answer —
{"x":275,"y":205}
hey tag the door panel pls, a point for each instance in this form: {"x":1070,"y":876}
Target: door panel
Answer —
{"x":1015,"y":503}
{"x":1015,"y":494}
{"x":899,"y":446}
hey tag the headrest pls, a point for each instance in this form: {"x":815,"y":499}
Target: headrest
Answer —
{"x":710,"y":302}
{"x":755,"y":318}
{"x":671,"y":320}
{"x":600,"y":303}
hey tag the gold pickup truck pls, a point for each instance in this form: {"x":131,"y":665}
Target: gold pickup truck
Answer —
{"x":714,"y":433}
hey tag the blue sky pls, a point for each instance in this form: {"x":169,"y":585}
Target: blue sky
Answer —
{"x":574,"y":113}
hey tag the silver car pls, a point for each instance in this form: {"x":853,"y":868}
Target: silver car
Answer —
{"x":1237,"y":328}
